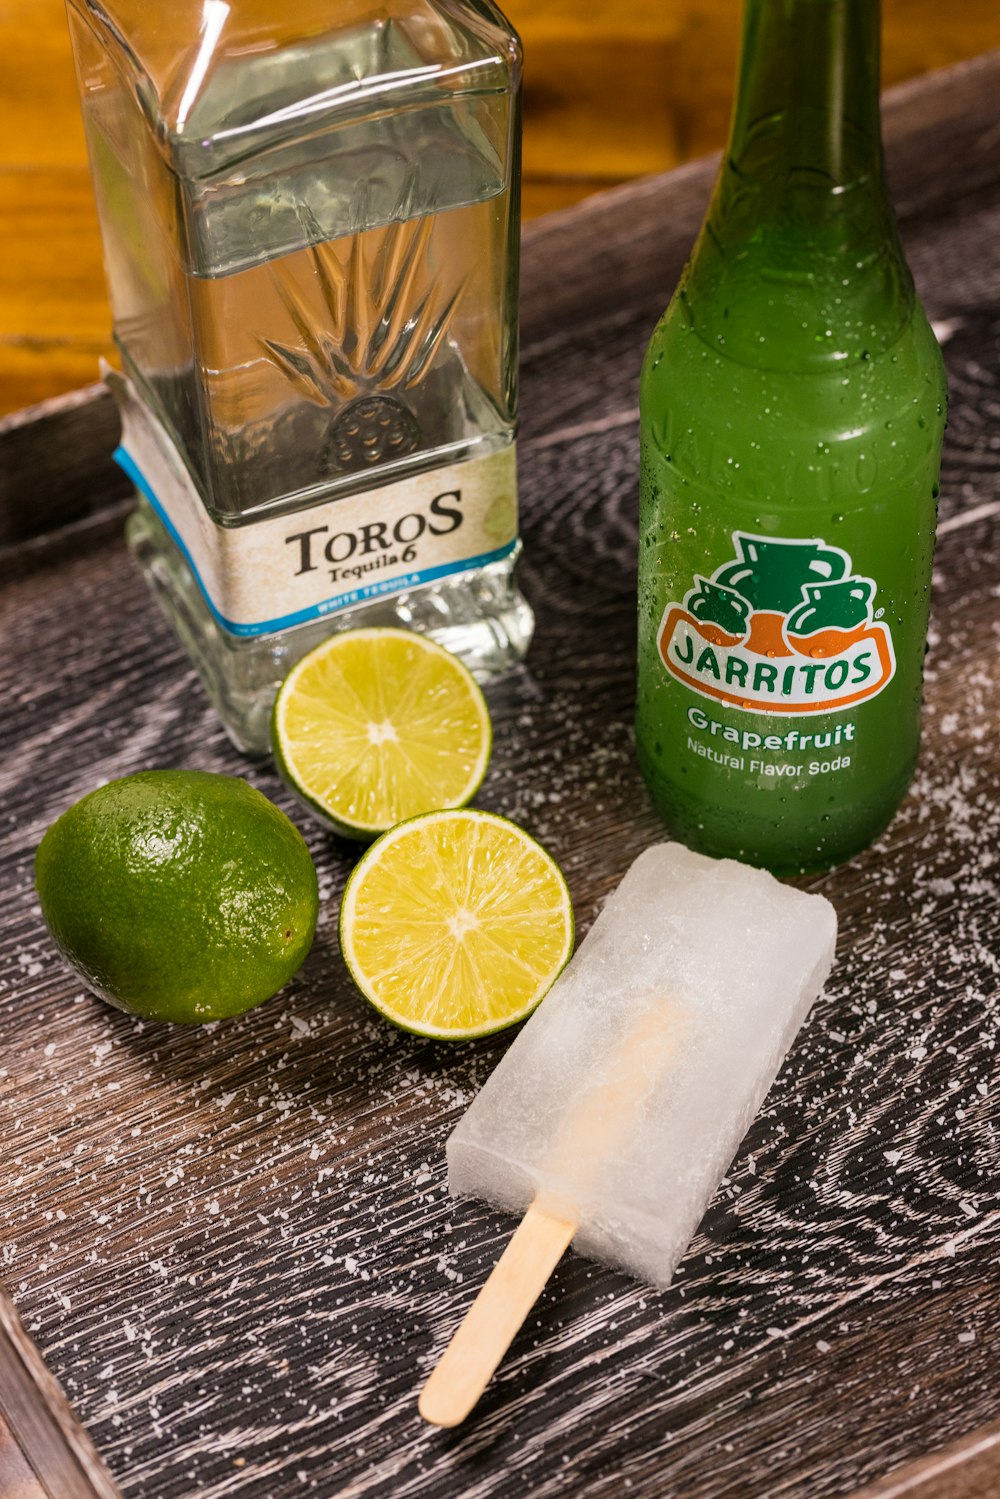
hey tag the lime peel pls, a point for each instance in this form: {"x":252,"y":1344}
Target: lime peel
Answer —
{"x":178,"y":895}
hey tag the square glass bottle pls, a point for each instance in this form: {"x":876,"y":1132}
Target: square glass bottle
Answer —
{"x":310,"y":217}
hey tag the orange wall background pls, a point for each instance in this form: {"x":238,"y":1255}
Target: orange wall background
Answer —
{"x":614,"y":89}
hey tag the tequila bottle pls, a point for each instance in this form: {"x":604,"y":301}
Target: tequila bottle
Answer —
{"x":310,"y":224}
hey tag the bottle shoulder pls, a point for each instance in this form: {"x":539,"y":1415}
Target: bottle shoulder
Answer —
{"x":729,"y":426}
{"x":218,"y":88}
{"x":812,"y":279}
{"x":720,"y":347}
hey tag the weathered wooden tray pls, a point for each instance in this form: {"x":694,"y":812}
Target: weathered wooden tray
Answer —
{"x":234,"y":1246}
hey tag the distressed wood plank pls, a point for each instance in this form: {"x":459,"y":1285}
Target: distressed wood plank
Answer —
{"x":16,"y":1477}
{"x":969,"y":1469}
{"x":235,"y":1247}
{"x":35,"y":1415}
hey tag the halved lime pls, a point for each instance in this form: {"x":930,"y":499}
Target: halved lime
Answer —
{"x":374,"y":726}
{"x":456,"y":924}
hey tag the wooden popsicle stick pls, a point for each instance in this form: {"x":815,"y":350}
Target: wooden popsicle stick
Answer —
{"x":598,"y":1120}
{"x":491,"y":1323}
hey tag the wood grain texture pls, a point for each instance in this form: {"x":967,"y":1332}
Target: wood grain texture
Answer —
{"x":34,"y":1410}
{"x":614,"y":89}
{"x":55,"y":471}
{"x":16,"y":1478}
{"x":234,"y":1246}
{"x":969,"y":1469}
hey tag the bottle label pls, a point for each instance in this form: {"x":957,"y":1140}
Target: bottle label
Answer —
{"x":280,"y":571}
{"x":784,"y":626}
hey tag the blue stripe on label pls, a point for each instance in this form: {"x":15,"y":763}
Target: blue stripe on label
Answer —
{"x":333,"y":605}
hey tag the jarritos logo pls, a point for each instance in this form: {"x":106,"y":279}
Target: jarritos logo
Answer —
{"x":786,"y":627}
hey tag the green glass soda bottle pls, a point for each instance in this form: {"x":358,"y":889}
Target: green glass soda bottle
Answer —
{"x":792,"y":411}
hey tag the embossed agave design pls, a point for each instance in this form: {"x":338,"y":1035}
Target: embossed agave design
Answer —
{"x":369,"y":324}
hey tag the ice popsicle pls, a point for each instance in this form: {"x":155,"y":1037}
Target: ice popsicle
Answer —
{"x":618,"y":1108}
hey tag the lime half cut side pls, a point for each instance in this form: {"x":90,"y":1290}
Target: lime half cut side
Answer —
{"x":456,"y":924}
{"x":378,"y":725}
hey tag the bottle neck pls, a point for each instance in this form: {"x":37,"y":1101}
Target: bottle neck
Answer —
{"x":799,"y":264}
{"x":807,"y":101}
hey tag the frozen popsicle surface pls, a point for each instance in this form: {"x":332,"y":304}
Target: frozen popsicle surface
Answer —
{"x":624,"y":1099}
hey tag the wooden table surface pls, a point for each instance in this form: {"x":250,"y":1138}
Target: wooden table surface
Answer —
{"x":613,"y":89}
{"x":234,"y":1246}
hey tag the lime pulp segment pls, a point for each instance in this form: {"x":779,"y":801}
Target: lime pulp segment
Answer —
{"x":455,"y":924}
{"x":375,"y":726}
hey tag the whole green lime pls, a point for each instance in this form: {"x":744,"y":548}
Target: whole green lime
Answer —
{"x":179,"y":895}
